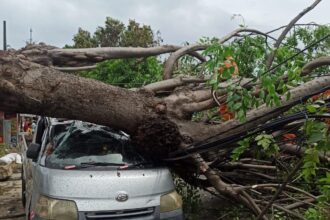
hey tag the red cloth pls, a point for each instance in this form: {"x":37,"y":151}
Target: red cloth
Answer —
{"x":26,"y":126}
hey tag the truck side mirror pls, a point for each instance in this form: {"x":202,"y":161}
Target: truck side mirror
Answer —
{"x":33,"y":151}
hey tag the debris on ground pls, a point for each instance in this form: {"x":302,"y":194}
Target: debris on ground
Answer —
{"x":10,"y":197}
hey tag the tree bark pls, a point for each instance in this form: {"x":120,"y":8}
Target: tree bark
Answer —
{"x":31,"y":88}
{"x":52,"y":56}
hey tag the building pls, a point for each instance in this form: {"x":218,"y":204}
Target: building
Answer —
{"x":8,"y":128}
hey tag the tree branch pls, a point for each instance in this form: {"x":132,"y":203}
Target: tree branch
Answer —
{"x":279,"y":191}
{"x":259,"y":115}
{"x":75,"y":69}
{"x":52,"y":56}
{"x":286,"y":30}
{"x":265,"y":185}
{"x":171,"y":84}
{"x":318,"y":62}
{"x":300,"y":203}
{"x":300,"y":151}
{"x":170,"y":62}
{"x":199,"y":106}
{"x":295,"y":25}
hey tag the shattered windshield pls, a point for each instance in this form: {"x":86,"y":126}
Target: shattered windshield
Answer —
{"x":82,"y":143}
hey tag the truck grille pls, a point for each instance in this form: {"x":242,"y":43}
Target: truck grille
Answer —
{"x":121,"y":214}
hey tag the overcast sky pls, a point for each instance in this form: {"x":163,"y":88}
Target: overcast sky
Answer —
{"x":56,"y":21}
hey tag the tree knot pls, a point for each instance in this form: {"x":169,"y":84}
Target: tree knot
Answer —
{"x":156,"y":137}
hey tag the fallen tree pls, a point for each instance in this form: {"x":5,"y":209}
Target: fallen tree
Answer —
{"x":169,"y":120}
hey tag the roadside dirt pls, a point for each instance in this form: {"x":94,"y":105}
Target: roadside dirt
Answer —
{"x":10,"y":198}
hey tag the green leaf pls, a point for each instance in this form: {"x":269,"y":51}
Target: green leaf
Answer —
{"x":238,"y":151}
{"x":311,"y":108}
{"x":237,"y":106}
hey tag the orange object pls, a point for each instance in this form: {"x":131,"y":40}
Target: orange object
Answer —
{"x":323,"y":95}
{"x":326,"y":94}
{"x":315,"y":97}
{"x":225,"y":113}
{"x":289,"y":136}
{"x":327,"y":121}
{"x":228,"y":63}
{"x":223,"y":109}
{"x":228,"y":116}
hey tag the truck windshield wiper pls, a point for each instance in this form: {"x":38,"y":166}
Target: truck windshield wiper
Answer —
{"x":128,"y":166}
{"x":91,"y":164}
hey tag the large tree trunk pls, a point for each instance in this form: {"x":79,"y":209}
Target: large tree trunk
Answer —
{"x":31,"y":88}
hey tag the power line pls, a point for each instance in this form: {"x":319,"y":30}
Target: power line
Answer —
{"x":290,"y":58}
{"x":222,"y":142}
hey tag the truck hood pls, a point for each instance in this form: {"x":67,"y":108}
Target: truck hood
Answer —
{"x":97,"y":189}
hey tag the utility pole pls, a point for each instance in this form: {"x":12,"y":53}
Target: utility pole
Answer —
{"x":4,"y":36}
{"x":30,"y":35}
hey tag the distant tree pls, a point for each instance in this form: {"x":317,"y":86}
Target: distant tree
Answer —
{"x":122,"y":72}
{"x":110,"y":34}
{"x":137,"y":35}
{"x":83,"y":39}
{"x":114,"y":33}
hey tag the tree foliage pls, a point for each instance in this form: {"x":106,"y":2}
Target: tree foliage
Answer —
{"x":249,"y":53}
{"x":110,"y":34}
{"x":122,"y":72}
{"x":115,"y":33}
{"x":128,"y":73}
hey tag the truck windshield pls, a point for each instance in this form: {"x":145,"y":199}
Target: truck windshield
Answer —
{"x":84,"y":143}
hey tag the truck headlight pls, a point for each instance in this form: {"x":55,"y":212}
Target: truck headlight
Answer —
{"x":170,"y":202}
{"x":48,"y":208}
